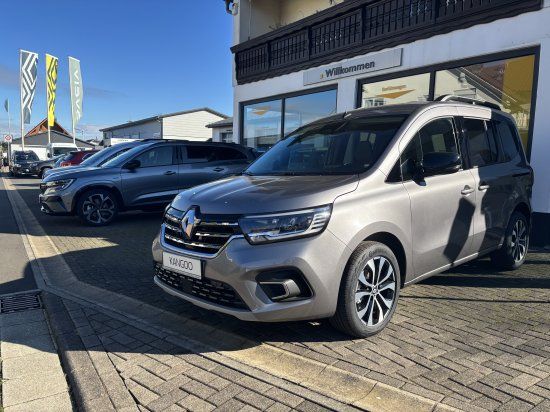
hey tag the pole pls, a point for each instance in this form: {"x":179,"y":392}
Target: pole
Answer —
{"x":47,"y":107}
{"x":21,"y":100}
{"x":9,"y":131}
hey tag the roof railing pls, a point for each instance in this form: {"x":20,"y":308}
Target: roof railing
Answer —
{"x":468,"y":100}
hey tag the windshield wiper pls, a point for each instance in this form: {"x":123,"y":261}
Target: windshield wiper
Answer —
{"x":246,"y":173}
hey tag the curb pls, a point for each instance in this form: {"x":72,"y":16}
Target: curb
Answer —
{"x":259,"y":359}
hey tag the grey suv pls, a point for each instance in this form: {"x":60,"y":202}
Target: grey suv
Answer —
{"x":340,"y":215}
{"x":146,"y":176}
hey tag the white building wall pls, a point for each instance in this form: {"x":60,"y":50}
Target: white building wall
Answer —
{"x":190,"y":126}
{"x":526,"y":30}
{"x":149,"y":130}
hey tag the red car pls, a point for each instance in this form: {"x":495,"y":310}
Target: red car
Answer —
{"x":76,"y":157}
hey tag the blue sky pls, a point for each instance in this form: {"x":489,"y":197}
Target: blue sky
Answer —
{"x":138,"y":57}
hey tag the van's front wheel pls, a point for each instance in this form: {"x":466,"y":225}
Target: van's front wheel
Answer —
{"x":368,"y":292}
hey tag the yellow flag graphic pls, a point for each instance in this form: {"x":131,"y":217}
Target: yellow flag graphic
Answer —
{"x":51,"y":86}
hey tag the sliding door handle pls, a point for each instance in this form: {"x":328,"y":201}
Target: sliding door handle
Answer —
{"x":169,"y":173}
{"x":483,"y":186}
{"x":467,"y":190}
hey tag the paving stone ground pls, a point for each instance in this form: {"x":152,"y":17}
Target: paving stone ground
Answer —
{"x":163,"y":376}
{"x":32,"y":376}
{"x":473,"y":338}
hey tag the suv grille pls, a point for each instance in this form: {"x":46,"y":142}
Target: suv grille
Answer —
{"x":210,"y":233}
{"x":206,"y":289}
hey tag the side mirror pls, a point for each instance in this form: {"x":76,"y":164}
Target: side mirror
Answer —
{"x":437,"y":163}
{"x":49,"y":155}
{"x":132,"y":164}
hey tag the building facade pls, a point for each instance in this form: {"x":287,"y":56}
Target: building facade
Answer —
{"x":222,"y":130}
{"x":362,"y":53}
{"x":186,"y":125}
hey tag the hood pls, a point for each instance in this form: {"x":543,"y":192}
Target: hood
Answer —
{"x":265,"y":194}
{"x":75,"y":173}
{"x":62,"y":170}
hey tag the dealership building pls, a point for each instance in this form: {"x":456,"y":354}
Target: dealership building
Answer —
{"x":298,"y":60}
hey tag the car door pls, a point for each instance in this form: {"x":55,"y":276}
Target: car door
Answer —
{"x":155,"y":180}
{"x":442,"y":206}
{"x":492,"y":183}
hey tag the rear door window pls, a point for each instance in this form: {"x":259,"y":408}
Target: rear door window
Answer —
{"x":227,"y":153}
{"x":198,"y":154}
{"x":482,"y":145}
{"x":508,"y":140}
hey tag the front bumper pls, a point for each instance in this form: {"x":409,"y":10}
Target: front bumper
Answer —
{"x":321,"y":260}
{"x":54,"y":204}
{"x":23,"y":170}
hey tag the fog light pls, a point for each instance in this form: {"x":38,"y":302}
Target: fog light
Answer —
{"x":284,"y":285}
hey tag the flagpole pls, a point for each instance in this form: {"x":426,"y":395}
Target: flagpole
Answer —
{"x":47,"y":106}
{"x":21,"y":100}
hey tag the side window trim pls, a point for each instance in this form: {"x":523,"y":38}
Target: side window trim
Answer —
{"x":458,"y":142}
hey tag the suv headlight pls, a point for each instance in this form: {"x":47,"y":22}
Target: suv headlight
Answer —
{"x":276,"y":227}
{"x":56,"y":185}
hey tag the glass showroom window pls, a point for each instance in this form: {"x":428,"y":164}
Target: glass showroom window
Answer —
{"x":401,"y":90}
{"x":305,"y":109}
{"x":508,"y":83}
{"x":263,"y":122}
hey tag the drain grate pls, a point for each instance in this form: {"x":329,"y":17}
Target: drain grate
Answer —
{"x":20,"y":302}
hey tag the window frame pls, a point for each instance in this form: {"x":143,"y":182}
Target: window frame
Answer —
{"x":454,"y":64}
{"x":283,"y":98}
{"x":458,"y":141}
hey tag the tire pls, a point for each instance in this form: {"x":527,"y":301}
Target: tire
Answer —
{"x":97,"y":207}
{"x":42,"y":171}
{"x":362,"y":319}
{"x":513,"y":251}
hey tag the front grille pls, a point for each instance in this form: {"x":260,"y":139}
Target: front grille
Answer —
{"x":206,"y":289}
{"x":210,"y":234}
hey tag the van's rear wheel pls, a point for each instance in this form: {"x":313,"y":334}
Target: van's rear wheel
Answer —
{"x":97,"y":207}
{"x":368,"y":292}
{"x":513,"y":251}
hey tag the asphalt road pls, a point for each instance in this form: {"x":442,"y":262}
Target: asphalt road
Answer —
{"x":15,"y":273}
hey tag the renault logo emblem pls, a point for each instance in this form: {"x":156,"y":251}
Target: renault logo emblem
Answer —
{"x":188,"y":223}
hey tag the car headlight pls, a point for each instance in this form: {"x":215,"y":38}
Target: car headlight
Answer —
{"x":56,"y":185}
{"x":276,"y":227}
{"x":16,"y":165}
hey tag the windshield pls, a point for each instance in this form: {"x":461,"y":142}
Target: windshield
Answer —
{"x":103,"y":156}
{"x":22,"y":157}
{"x":337,"y":147}
{"x":124,"y":157}
{"x":62,"y":150}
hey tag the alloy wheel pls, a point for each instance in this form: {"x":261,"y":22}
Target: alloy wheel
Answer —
{"x":375,"y":292}
{"x":519,"y":240}
{"x":98,"y":208}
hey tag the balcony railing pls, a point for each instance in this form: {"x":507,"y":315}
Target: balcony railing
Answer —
{"x":357,"y":27}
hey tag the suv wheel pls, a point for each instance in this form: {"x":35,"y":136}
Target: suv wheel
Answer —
{"x":42,"y":171}
{"x":368,"y":292}
{"x":97,"y":207}
{"x":511,"y":254}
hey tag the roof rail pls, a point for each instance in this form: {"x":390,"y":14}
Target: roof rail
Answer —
{"x":461,"y":99}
